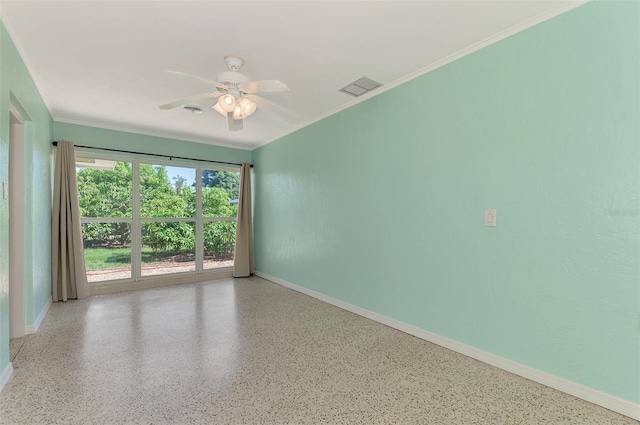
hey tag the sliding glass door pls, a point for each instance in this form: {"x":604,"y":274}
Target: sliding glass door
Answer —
{"x":143,"y":219}
{"x":105,"y":196}
{"x":219,"y":216}
{"x":167,"y":219}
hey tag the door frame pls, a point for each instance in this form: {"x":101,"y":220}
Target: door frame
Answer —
{"x":17,"y":322}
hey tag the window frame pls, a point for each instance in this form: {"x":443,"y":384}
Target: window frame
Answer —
{"x":136,"y":220}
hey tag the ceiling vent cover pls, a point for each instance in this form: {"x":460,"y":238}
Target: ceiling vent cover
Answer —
{"x":194,"y":109}
{"x":360,"y":87}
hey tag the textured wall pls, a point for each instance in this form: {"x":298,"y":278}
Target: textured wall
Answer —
{"x":381,"y":205}
{"x":4,"y":214}
{"x":98,"y":137}
{"x":40,"y":131}
{"x":16,"y":85}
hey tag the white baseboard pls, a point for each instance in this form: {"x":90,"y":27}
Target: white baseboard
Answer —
{"x":589,"y":394}
{"x":31,"y":329}
{"x":6,"y":375}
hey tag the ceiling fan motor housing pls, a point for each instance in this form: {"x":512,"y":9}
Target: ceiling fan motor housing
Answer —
{"x":237,"y":97}
{"x":231,"y":77}
{"x":234,"y":62}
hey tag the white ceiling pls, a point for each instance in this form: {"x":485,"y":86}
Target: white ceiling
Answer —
{"x":104,"y":63}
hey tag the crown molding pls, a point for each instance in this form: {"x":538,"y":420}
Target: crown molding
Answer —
{"x":528,"y":23}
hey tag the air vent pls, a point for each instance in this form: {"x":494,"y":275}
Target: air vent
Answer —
{"x":360,"y":87}
{"x":194,"y":109}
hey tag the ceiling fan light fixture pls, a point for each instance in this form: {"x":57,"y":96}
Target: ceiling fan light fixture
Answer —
{"x":236,"y":97}
{"x":227,"y":102}
{"x":219,"y":110}
{"x":248,"y":106}
{"x":244,"y":108}
{"x":237,"y":113}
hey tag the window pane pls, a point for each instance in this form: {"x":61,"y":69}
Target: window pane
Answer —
{"x":168,"y":248}
{"x":167,"y":191}
{"x":104,"y":192}
{"x":220,"y":193}
{"x":219,"y":242}
{"x":107,"y":251}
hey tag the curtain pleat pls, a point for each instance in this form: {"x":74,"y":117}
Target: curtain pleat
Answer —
{"x":67,"y":257}
{"x":243,"y":260}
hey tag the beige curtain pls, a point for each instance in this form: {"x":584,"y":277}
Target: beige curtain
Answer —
{"x":243,"y":261}
{"x":69,"y":276}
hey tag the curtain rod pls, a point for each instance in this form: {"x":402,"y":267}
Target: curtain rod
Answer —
{"x":55,"y":143}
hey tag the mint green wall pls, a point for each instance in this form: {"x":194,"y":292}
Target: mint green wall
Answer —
{"x":40,"y":130}
{"x":112,"y":139}
{"x":17,"y":85}
{"x":381,"y":205}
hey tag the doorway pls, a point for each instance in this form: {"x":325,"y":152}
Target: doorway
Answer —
{"x":17,"y":327}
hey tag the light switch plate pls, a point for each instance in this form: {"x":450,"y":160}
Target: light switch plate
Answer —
{"x":490,"y":218}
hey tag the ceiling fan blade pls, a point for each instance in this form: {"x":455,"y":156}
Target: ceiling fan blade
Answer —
{"x":279,"y":112}
{"x":204,"y":80}
{"x":234,"y":125}
{"x":181,"y":102}
{"x":266,"y":86}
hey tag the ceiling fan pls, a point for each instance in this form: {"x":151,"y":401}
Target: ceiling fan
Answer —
{"x":237,"y":97}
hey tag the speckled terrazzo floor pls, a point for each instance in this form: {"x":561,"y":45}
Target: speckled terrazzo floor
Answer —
{"x":15,"y":345}
{"x":251,"y":352}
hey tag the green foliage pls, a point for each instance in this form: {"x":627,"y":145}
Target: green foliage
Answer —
{"x":219,"y":238}
{"x":164,"y":205}
{"x":174,"y":236}
{"x":223,"y":179}
{"x":215,"y":203}
{"x":106,"y":234}
{"x":105,"y":193}
{"x":108,"y":194}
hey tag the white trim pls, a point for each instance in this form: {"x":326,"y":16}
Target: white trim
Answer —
{"x":17,"y":223}
{"x":136,"y":228}
{"x":129,"y":220}
{"x":6,"y":375}
{"x":173,"y":219}
{"x":17,"y":112}
{"x":544,"y":16}
{"x":589,"y":394}
{"x":571,"y":4}
{"x":168,"y":135}
{"x":87,"y":220}
{"x":214,"y":219}
{"x":199,"y":226}
{"x":31,"y":329}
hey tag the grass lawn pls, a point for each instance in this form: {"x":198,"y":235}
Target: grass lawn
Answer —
{"x":113,"y":258}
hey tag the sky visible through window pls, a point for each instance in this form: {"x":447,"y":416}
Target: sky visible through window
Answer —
{"x":188,"y":173}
